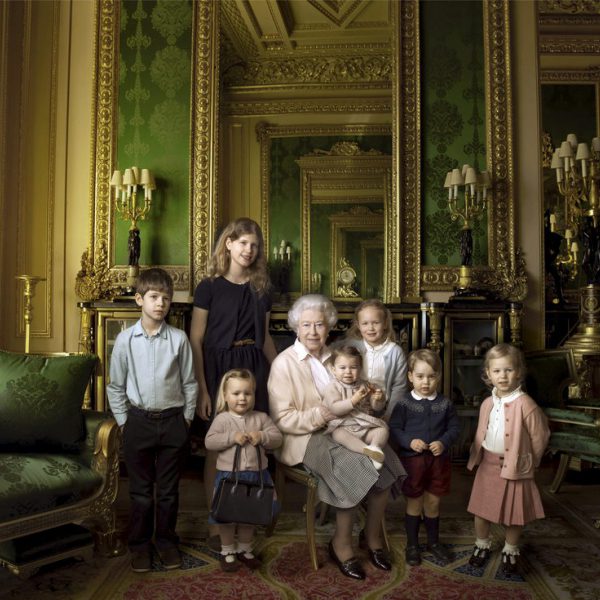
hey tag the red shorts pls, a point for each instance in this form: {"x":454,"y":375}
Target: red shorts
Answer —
{"x":426,"y":473}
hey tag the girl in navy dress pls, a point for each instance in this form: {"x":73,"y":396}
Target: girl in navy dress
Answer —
{"x":230,"y":325}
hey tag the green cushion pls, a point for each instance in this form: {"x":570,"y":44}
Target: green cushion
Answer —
{"x":33,"y":483}
{"x":41,"y":398}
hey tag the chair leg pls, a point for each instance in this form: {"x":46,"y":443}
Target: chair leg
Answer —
{"x":279,"y":487}
{"x":311,"y":496}
{"x":384,"y":535}
{"x":560,"y":473}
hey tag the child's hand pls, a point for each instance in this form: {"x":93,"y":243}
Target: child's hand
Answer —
{"x":436,"y":448}
{"x":254,"y":437}
{"x":361,"y":393}
{"x":418,"y":446}
{"x":376,"y":394}
{"x":203,"y":408}
{"x":240,"y":438}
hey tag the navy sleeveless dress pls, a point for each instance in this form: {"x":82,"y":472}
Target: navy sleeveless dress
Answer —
{"x":235,"y":312}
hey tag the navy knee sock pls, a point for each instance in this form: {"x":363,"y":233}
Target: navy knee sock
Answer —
{"x":412,"y":524}
{"x":432,"y":525}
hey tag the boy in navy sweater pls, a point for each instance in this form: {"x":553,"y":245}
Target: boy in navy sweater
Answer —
{"x":424,"y":425}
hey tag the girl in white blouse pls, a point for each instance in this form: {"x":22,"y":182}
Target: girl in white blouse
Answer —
{"x":384,"y":361}
{"x":510,"y":440}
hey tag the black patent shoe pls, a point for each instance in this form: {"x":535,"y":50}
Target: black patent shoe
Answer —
{"x":479,"y":557}
{"x":413,"y":556}
{"x":380,"y":557}
{"x":349,"y":568}
{"x":440,"y":552}
{"x":510,"y":563}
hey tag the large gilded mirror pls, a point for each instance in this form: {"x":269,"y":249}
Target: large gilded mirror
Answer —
{"x":373,"y":98}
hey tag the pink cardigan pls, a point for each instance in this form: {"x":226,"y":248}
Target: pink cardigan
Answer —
{"x":526,"y":435}
{"x":225,"y":426}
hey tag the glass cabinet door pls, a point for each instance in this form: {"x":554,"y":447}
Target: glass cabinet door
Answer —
{"x":108,"y":327}
{"x":467,"y":337}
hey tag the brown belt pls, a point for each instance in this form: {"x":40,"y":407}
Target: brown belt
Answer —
{"x":246,"y":342}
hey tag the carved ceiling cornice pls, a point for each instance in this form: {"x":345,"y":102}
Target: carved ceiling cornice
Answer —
{"x":316,"y":41}
{"x":569,"y":7}
{"x":569,"y":45}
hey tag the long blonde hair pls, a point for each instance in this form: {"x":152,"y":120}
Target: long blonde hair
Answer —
{"x":354,"y":331}
{"x":233,"y":374}
{"x":219,"y":262}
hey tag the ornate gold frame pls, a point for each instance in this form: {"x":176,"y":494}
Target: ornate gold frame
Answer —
{"x":360,"y":220}
{"x":407,"y":150}
{"x":204,"y":154}
{"x":266,"y":133}
{"x":406,"y":278}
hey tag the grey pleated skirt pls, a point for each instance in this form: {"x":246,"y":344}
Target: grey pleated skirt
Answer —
{"x":345,"y":477}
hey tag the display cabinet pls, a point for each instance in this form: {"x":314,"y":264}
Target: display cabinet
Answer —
{"x":462,"y":333}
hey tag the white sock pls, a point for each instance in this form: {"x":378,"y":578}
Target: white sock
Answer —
{"x":228,"y":552}
{"x":246,"y":548}
{"x":511,"y":549}
{"x":483,"y":544}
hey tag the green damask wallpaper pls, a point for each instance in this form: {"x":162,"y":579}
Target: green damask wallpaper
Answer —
{"x":285,"y":202}
{"x":453,"y":119}
{"x":154,"y":122}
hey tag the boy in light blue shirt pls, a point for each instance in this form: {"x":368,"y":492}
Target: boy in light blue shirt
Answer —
{"x":152,"y":394}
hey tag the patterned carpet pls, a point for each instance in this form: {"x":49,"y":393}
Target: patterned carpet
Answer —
{"x":560,"y":560}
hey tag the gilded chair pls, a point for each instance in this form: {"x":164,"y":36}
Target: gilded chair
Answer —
{"x":310,"y":482}
{"x":575,"y":426}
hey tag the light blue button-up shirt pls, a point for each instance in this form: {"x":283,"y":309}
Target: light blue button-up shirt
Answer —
{"x":152,"y":372}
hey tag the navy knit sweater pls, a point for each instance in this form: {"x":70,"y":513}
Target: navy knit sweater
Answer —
{"x":427,"y":420}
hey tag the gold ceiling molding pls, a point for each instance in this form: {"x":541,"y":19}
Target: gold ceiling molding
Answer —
{"x":589,"y":75}
{"x":310,"y":70}
{"x":232,"y":20}
{"x":278,"y":107}
{"x":339,"y":12}
{"x":569,"y":6}
{"x":568,"y":45}
{"x":500,"y":159}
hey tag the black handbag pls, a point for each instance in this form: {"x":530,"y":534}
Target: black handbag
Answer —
{"x":238,"y":501}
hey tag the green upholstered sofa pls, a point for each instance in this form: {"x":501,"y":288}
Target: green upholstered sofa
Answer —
{"x":574,"y":423}
{"x":58,"y":463}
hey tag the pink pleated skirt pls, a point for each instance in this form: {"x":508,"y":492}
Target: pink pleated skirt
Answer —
{"x":504,"y":501}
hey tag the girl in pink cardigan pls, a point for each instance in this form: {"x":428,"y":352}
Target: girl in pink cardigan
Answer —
{"x":238,"y":424}
{"x":511,"y":437}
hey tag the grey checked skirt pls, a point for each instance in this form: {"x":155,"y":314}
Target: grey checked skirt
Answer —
{"x":345,"y":477}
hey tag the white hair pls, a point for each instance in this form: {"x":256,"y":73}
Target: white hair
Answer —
{"x":315,"y":302}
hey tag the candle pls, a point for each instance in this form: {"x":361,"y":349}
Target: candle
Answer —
{"x":275,"y":251}
{"x":568,"y":234}
{"x":552,"y":222}
{"x":288,"y":252}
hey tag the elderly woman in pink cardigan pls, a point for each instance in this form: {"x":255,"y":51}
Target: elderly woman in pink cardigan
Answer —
{"x":299,"y":376}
